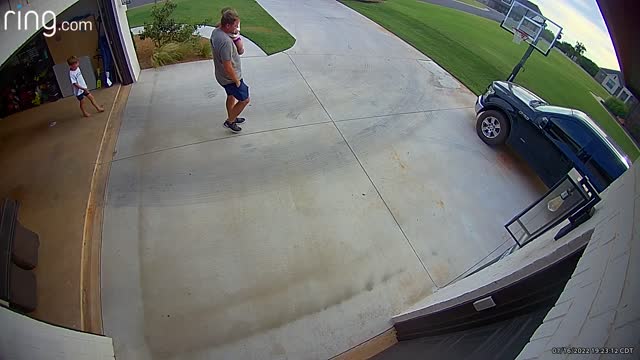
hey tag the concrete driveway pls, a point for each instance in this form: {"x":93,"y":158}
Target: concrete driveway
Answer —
{"x":357,"y":187}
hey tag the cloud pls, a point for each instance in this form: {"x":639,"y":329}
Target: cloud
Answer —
{"x":582,"y":21}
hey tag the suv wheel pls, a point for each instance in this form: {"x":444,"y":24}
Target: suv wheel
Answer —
{"x":493,"y":127}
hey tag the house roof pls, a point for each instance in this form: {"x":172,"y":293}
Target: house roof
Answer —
{"x":611,"y":71}
{"x":531,"y":5}
{"x":615,"y":72}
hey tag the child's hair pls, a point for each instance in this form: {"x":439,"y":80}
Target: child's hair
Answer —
{"x":229,"y":16}
{"x":72,"y":60}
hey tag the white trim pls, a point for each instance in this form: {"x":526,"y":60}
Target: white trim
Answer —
{"x":627,"y":92}
{"x":122,"y":23}
{"x":605,"y":82}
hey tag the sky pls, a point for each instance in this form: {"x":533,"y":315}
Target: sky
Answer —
{"x":582,"y":21}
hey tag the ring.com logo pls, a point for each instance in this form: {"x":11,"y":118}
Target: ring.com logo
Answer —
{"x":30,"y":19}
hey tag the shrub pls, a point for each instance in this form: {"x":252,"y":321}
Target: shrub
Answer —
{"x":588,"y":65}
{"x":163,"y":28}
{"x":617,"y":107}
{"x":169,"y":53}
{"x":204,"y":50}
{"x":174,"y":52}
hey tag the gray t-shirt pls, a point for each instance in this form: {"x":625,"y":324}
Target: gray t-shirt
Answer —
{"x":224,"y":50}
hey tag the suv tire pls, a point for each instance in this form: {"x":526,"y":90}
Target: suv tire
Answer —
{"x":493,"y":127}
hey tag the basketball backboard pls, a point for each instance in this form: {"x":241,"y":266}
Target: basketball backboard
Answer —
{"x":527,"y":21}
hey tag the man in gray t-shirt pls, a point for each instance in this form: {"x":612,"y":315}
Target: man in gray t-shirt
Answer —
{"x":227,"y":48}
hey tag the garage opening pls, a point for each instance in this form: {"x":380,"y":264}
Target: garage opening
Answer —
{"x":37,"y":73}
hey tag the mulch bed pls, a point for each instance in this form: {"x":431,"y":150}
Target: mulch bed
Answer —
{"x":144,"y":49}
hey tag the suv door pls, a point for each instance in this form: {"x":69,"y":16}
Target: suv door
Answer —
{"x":573,"y":139}
{"x":601,"y":165}
{"x":531,"y":142}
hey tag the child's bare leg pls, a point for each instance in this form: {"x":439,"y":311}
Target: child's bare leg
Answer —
{"x":95,"y":105}
{"x":84,"y":111}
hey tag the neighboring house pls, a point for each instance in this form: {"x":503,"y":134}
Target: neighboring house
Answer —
{"x":503,"y":6}
{"x":613,"y":81}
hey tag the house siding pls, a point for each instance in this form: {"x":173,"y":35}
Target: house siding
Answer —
{"x":598,"y":307}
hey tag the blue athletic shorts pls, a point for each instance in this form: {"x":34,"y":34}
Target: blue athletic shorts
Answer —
{"x":240,"y":93}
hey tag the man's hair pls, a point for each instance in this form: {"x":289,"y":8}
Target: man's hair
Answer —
{"x":72,"y":60}
{"x":229,"y":16}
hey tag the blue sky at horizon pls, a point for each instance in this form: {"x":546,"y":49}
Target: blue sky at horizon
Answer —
{"x":582,"y":21}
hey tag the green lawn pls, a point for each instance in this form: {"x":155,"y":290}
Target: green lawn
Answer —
{"x":477,"y":51}
{"x":474,"y":3}
{"x":256,"y":23}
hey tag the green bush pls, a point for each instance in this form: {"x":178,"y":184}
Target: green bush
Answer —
{"x":169,"y":53}
{"x":204,"y":50}
{"x":617,"y":107}
{"x":174,"y":52}
{"x":163,"y":28}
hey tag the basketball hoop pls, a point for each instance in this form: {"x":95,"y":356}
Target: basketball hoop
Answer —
{"x":519,"y":36}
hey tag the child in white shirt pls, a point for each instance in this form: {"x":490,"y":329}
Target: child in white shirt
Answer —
{"x":80,"y":86}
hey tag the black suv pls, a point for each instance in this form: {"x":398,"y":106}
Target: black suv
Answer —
{"x":551,"y":139}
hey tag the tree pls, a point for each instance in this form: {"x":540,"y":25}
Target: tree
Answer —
{"x":164,"y":28}
{"x":547,"y":35}
{"x":566,"y":48}
{"x":588,"y":65}
{"x":580,"y":48}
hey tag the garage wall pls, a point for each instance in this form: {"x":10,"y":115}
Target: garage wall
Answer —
{"x":599,"y":305}
{"x":13,"y":38}
{"x":25,"y":338}
{"x":78,"y":43}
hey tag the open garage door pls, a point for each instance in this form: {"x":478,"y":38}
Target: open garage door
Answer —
{"x":115,"y":35}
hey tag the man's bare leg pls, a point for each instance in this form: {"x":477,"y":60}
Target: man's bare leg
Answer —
{"x":237,"y":109}
{"x":231,"y":102}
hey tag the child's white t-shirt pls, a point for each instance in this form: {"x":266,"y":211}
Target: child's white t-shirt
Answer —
{"x":77,"y":78}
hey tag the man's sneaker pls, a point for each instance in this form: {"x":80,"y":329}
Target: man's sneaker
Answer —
{"x":233,"y":127}
{"x":240,"y":120}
